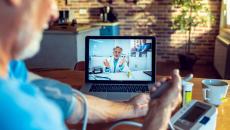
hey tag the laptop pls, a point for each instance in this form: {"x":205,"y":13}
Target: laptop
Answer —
{"x":116,"y":66}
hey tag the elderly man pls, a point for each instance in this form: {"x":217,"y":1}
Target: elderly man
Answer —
{"x":116,"y":63}
{"x":23,"y":107}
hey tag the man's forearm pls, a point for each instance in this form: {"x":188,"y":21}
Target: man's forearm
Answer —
{"x":107,"y":69}
{"x":121,"y":67}
{"x":101,"y":110}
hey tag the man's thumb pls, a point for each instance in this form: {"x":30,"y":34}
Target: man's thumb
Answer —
{"x":176,"y":77}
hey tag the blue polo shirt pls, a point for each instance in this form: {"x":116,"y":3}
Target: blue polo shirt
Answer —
{"x":23,"y":106}
{"x":17,"y":70}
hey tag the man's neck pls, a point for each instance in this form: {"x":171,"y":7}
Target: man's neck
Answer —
{"x":3,"y":71}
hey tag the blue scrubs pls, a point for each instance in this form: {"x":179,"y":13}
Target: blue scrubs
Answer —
{"x":23,"y":106}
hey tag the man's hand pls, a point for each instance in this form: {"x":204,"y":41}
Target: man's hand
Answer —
{"x":172,"y":97}
{"x":160,"y":109}
{"x":106,"y":63}
{"x":140,"y":105}
{"x":122,"y":61}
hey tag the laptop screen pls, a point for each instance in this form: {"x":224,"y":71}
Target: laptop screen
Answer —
{"x":121,"y":59}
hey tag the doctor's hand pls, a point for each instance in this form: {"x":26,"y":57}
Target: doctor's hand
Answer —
{"x":106,"y":63}
{"x":160,"y":109}
{"x":122,"y":61}
{"x":140,"y":105}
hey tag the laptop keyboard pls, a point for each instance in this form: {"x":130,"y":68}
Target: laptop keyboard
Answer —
{"x":118,"y":88}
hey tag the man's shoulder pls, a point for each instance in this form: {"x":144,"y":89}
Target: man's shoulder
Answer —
{"x":23,"y":105}
{"x":16,"y":86}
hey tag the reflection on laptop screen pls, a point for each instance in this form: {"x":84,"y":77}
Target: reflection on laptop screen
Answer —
{"x":120,"y":59}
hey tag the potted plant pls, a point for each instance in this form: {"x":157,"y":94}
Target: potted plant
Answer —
{"x":191,"y":13}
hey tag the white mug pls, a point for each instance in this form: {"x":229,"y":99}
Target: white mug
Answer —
{"x":214,"y":90}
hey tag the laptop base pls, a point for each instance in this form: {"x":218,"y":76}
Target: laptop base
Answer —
{"x":115,"y":96}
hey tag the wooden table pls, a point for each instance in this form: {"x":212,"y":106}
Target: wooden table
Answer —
{"x":76,"y":79}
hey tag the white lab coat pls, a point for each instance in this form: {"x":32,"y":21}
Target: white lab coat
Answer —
{"x":111,"y":63}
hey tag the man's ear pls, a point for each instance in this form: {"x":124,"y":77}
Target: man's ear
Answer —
{"x":14,"y":2}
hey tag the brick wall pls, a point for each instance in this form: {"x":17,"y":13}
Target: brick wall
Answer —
{"x":152,"y":17}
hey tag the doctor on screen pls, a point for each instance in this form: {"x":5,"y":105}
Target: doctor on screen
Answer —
{"x":116,"y":63}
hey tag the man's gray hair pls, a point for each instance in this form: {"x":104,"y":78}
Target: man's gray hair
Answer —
{"x":117,"y":47}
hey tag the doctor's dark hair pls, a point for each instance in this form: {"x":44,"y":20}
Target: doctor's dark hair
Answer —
{"x":117,"y":47}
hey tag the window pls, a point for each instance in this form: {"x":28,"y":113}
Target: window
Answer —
{"x":228,"y":12}
{"x":225,"y":19}
{"x":225,"y":15}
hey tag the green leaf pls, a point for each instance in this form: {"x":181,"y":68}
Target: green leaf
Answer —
{"x":193,"y":13}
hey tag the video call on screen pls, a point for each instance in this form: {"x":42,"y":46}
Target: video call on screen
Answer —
{"x":120,"y":59}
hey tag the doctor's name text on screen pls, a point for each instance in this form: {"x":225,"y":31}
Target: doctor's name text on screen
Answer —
{"x":120,"y":59}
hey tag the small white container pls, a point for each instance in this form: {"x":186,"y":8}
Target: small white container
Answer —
{"x":187,"y":92}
